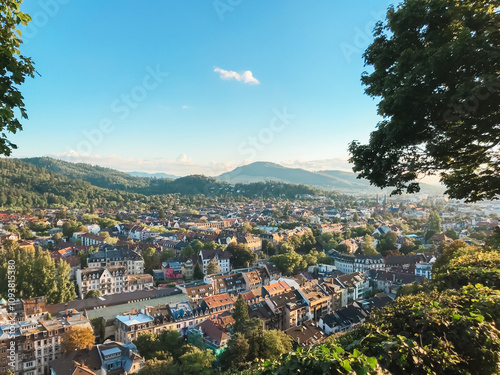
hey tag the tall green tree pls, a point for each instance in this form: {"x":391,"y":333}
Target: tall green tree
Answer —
{"x":240,"y":314}
{"x":387,"y":242}
{"x":64,"y":288}
{"x":254,"y":344}
{"x":197,"y":245}
{"x":26,"y":233}
{"x":197,"y":362}
{"x":93,"y":293}
{"x":367,"y":245}
{"x":188,"y":251}
{"x":241,"y":255}
{"x":172,"y":342}
{"x":436,"y":67}
{"x":197,"y":271}
{"x":235,"y":355}
{"x":213,"y":267}
{"x":434,"y":222}
{"x":44,"y":274}
{"x":452,"y":234}
{"x":14,"y":68}
{"x":147,"y":344}
{"x":289,"y":263}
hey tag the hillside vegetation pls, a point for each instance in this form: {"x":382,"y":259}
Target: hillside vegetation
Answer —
{"x":46,"y":182}
{"x":24,"y":185}
{"x":450,"y":325}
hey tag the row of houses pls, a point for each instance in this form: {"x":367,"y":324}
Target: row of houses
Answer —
{"x":347,"y":263}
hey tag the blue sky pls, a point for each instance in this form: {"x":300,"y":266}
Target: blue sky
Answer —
{"x":197,"y":87}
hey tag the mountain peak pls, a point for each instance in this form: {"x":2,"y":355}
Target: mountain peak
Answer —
{"x":346,"y":182}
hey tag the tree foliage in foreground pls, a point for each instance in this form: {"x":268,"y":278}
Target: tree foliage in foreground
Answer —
{"x":451,"y":332}
{"x":253,"y":344}
{"x":436,"y":71}
{"x":14,"y":68}
{"x":449,"y":325}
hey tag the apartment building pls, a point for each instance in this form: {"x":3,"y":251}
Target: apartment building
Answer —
{"x":222,"y":257}
{"x":35,"y":336}
{"x":110,"y":256}
{"x":111,"y":280}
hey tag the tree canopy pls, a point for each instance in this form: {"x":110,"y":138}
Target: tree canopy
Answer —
{"x":167,"y":353}
{"x":78,"y":337}
{"x":14,"y":68}
{"x":241,"y":255}
{"x":448,"y":325}
{"x":436,"y":67}
{"x":36,"y":273}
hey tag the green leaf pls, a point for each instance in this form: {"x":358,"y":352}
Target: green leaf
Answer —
{"x":372,"y":361}
{"x":345,"y":364}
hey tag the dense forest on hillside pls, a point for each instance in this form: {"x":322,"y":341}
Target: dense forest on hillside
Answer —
{"x":24,"y":185}
{"x":98,"y":176}
{"x":190,"y":185}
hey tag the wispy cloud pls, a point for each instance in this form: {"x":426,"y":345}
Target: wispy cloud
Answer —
{"x":183,"y":165}
{"x":246,"y":76}
{"x":186,"y":107}
{"x":339,"y":163}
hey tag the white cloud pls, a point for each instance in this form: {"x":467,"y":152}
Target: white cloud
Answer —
{"x":185,"y":107}
{"x":246,"y":76}
{"x":339,"y":163}
{"x":183,"y":165}
{"x":182,"y":158}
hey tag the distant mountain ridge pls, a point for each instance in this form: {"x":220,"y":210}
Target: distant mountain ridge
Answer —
{"x":345,"y":182}
{"x":246,"y":178}
{"x":112,"y":179}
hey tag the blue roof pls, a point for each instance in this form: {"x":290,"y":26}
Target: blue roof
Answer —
{"x":180,"y":309}
{"x":134,"y":319}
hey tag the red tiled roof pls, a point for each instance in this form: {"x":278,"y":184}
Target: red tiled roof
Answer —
{"x":218,"y":300}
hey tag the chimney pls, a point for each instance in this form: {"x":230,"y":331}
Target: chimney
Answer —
{"x":129,"y":316}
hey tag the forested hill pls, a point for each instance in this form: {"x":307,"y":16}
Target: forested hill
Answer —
{"x":189,"y":185}
{"x":24,"y":185}
{"x":346,"y":182}
{"x":98,"y":176}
